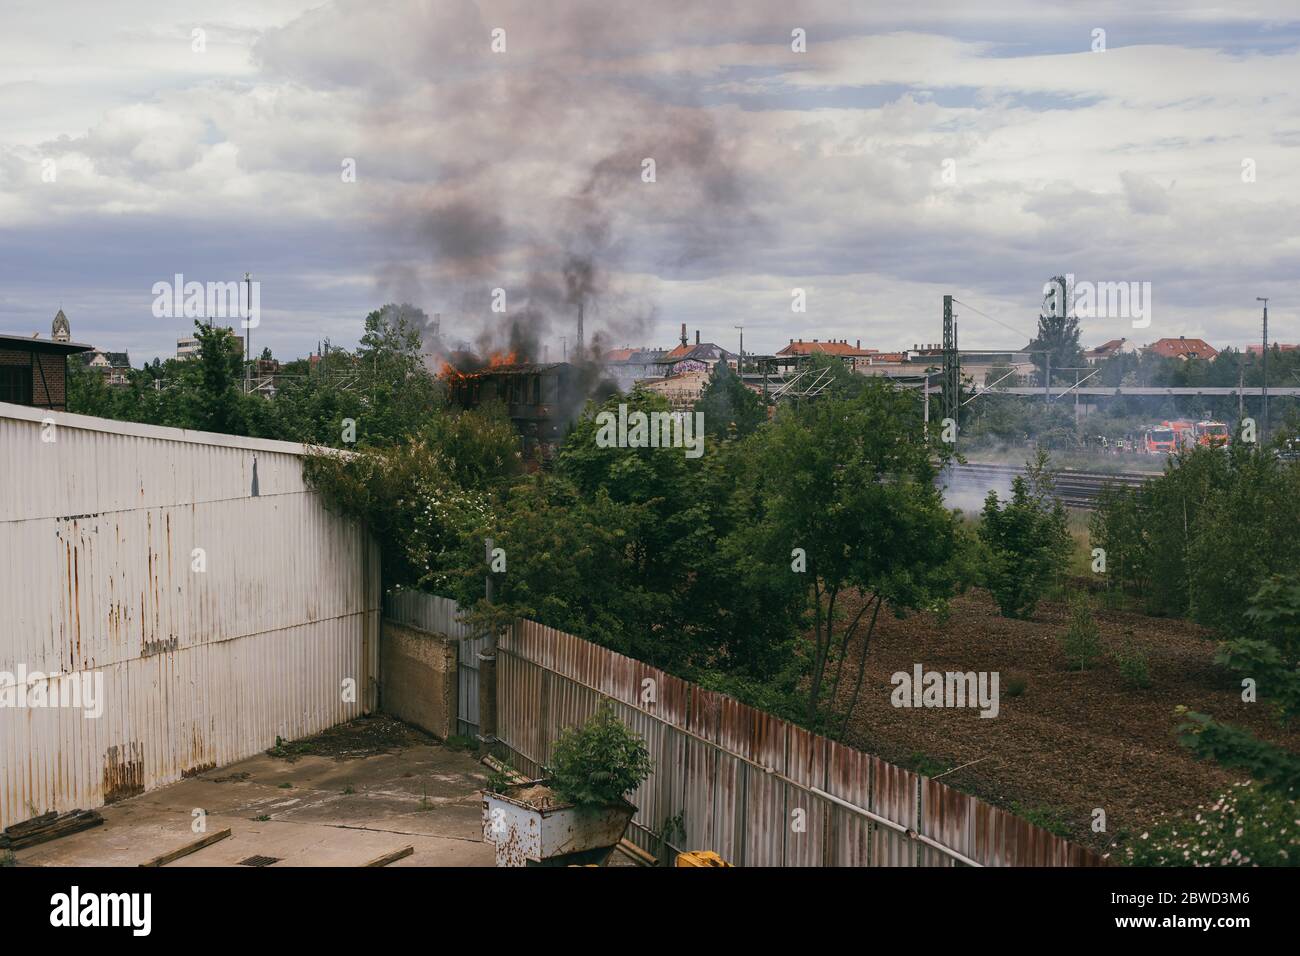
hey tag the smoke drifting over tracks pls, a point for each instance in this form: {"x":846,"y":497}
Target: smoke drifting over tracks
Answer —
{"x":966,"y":486}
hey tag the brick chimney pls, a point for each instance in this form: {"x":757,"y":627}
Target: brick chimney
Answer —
{"x":697,"y":336}
{"x":683,"y":335}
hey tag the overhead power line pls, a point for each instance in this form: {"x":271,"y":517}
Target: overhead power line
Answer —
{"x":1009,"y":328}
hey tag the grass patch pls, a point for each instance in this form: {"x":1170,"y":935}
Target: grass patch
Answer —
{"x":1053,"y":821}
{"x":926,"y":765}
{"x":289,"y":749}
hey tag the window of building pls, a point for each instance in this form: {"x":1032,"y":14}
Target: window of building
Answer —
{"x":16,"y":384}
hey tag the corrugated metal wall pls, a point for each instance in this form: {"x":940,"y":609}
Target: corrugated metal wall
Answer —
{"x":98,"y":529}
{"x":438,"y":615}
{"x":730,"y":778}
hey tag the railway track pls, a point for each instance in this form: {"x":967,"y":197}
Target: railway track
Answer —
{"x":1075,"y":489}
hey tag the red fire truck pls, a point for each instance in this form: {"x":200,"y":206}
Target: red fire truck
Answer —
{"x":1212,"y":434}
{"x":1159,"y":440}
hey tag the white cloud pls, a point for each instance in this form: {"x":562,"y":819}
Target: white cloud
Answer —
{"x":822,"y":170}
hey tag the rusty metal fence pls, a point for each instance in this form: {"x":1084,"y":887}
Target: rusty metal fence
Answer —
{"x":756,"y":789}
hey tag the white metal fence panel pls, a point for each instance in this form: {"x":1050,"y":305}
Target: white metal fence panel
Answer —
{"x":216,"y":615}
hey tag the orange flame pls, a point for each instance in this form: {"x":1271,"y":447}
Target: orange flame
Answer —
{"x":450,"y":373}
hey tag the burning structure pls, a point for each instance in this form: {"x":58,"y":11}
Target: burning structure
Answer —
{"x":541,"y":399}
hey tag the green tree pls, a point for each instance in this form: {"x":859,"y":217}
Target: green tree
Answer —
{"x":211,"y":395}
{"x":1058,"y":335}
{"x":1027,"y":540}
{"x":850,"y":509}
{"x":730,"y":409}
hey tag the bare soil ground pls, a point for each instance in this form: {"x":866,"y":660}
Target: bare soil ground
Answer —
{"x":1071,"y":741}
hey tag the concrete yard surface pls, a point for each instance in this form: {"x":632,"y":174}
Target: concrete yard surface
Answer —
{"x":347,"y":797}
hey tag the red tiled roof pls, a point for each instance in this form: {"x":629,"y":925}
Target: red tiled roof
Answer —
{"x":1182,"y":348}
{"x":1105,"y":347}
{"x":829,"y":348}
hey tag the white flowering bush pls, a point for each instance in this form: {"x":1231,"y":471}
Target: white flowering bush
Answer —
{"x":428,"y":500}
{"x":1247,"y":826}
{"x":442,"y":515}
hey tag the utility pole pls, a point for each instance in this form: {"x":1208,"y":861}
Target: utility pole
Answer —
{"x":248,"y":332}
{"x":1263,"y":391}
{"x":925,"y":392}
{"x":1241,"y":398}
{"x":951,"y":364}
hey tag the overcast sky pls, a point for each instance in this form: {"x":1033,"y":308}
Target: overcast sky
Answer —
{"x":914,"y":149}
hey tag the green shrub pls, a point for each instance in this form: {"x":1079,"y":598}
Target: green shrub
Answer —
{"x":1197,"y":540}
{"x":1027,"y":541}
{"x":1133,"y":665}
{"x":501,"y":780}
{"x":599,"y":762}
{"x":1081,"y":641}
{"x":1016,"y":687}
{"x":1246,"y":826}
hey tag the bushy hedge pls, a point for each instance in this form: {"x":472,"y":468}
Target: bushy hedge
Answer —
{"x":1200,"y":539}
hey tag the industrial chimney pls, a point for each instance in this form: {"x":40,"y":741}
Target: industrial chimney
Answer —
{"x":579,"y":329}
{"x":683,"y":335}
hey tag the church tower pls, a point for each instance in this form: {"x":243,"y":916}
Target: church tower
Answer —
{"x":60,"y":331}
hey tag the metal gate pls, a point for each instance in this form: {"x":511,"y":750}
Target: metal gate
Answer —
{"x":438,"y":615}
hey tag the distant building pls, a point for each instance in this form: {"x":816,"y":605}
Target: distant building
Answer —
{"x":540,"y":399}
{"x":1109,"y":350}
{"x":700,"y":357}
{"x":682,"y":390}
{"x":34,"y":371}
{"x":627,"y":366}
{"x":1256,"y":349}
{"x":115,"y":366}
{"x":854,"y":356}
{"x":188,"y":347}
{"x":1182,"y":348}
